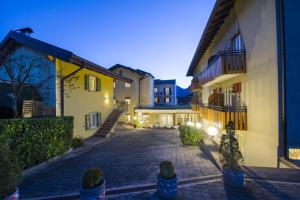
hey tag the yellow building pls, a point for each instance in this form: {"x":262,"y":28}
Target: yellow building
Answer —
{"x":75,"y":86}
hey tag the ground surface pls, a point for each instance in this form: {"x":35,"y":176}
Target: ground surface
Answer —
{"x":128,"y":158}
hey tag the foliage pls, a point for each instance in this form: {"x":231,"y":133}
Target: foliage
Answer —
{"x":190,"y":135}
{"x":231,"y":155}
{"x":35,"y":140}
{"x":166,"y":170}
{"x":77,"y":142}
{"x":10,"y":170}
{"x":92,"y":178}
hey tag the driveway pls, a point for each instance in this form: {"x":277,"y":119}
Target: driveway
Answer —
{"x":127,"y":158}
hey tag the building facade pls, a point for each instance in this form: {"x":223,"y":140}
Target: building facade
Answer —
{"x":165,"y":92}
{"x":75,"y":87}
{"x":237,"y":76}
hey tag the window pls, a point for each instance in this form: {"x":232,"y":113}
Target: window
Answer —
{"x":294,"y":154}
{"x":155,"y":100}
{"x":237,"y":43}
{"x":92,"y":120}
{"x":155,"y":90}
{"x":127,"y":100}
{"x":114,"y":84}
{"x":115,"y":101}
{"x":144,"y":118}
{"x":92,"y":83}
{"x":167,"y":91}
{"x":127,"y":85}
{"x":120,"y":72}
{"x":167,"y":100}
{"x":128,"y":118}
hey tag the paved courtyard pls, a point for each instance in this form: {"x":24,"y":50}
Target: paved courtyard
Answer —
{"x":128,"y":158}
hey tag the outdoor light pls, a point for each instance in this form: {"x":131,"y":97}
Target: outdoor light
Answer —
{"x":190,"y":123}
{"x":134,"y":118}
{"x":106,"y":99}
{"x":212,"y":131}
{"x":198,"y":125}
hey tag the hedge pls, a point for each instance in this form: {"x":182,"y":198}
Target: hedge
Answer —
{"x":190,"y":135}
{"x":35,"y":140}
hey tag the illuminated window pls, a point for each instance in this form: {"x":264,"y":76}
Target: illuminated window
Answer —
{"x":155,"y":90}
{"x":128,"y":118}
{"x":167,"y":100}
{"x":294,"y":154}
{"x":92,"y":120}
{"x":115,"y":101}
{"x":92,"y":83}
{"x":114,"y":84}
{"x":144,"y":118}
{"x":156,"y":100}
{"x":127,"y":100}
{"x":167,"y":91}
{"x":127,"y":85}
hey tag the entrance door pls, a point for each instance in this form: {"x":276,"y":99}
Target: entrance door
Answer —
{"x":166,"y":120}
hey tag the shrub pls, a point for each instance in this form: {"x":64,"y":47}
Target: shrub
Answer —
{"x":190,"y":135}
{"x":92,"y":178}
{"x":231,"y":155}
{"x":10,"y":170}
{"x":166,"y":170}
{"x":77,"y":142}
{"x":35,"y":140}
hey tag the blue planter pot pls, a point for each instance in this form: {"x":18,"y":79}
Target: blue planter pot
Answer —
{"x":233,"y":178}
{"x":167,"y":188}
{"x":97,"y":193}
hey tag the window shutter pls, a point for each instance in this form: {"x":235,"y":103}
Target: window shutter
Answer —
{"x":98,"y":84}
{"x":170,"y":92}
{"x":87,"y":122}
{"x":99,"y":118}
{"x":86,"y":82}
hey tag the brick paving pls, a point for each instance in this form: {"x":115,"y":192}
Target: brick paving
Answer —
{"x":262,"y":190}
{"x":127,"y":158}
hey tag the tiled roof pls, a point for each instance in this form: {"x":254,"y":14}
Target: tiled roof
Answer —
{"x":138,"y":71}
{"x":161,"y":82}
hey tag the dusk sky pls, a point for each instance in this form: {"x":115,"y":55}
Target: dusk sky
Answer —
{"x":158,"y":36}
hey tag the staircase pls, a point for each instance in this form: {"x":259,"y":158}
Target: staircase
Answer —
{"x":111,"y":121}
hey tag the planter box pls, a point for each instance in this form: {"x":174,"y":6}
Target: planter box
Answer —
{"x":167,"y":188}
{"x":97,"y":193}
{"x":233,"y":178}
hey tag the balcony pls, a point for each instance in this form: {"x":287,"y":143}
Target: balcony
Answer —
{"x":221,"y":115}
{"x":195,"y":85}
{"x":223,"y":66}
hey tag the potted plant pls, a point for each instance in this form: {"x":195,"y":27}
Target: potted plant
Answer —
{"x":231,"y":158}
{"x":10,"y":173}
{"x":166,"y":181}
{"x":93,"y":185}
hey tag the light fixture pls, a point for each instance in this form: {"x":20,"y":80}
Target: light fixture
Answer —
{"x":212,"y":131}
{"x":190,"y":123}
{"x":198,"y":125}
{"x":134,"y":117}
{"x":106,"y":99}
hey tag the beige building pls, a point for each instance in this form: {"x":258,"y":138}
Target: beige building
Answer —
{"x":235,"y":77}
{"x":136,"y":94}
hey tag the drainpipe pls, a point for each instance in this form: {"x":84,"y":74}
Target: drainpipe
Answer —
{"x":281,"y":78}
{"x":62,"y":90}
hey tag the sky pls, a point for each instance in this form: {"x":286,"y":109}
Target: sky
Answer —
{"x":158,"y":36}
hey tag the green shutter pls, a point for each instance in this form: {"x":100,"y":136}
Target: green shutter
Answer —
{"x":99,"y":118}
{"x":98,"y":84}
{"x":87,"y":122}
{"x":86,"y":82}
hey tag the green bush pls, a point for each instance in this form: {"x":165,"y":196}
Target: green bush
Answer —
{"x":190,"y":135}
{"x":10,"y":170}
{"x":166,"y":170}
{"x":77,"y":142}
{"x":92,"y":178}
{"x":35,"y":140}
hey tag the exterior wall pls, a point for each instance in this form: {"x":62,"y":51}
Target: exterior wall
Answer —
{"x":256,"y":20}
{"x":79,"y":102}
{"x":161,"y":96}
{"x":146,"y":94}
{"x":48,"y":71}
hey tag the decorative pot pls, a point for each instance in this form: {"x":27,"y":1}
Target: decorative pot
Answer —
{"x":233,"y":178}
{"x":13,"y":196}
{"x":97,"y":193}
{"x":167,"y":188}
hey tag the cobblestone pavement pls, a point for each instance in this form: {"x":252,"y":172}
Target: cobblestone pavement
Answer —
{"x":215,"y":190}
{"x":127,"y":158}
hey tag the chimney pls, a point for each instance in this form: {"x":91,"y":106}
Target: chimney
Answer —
{"x":27,"y":31}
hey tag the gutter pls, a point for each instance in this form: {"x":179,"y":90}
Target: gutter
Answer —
{"x":282,"y":150}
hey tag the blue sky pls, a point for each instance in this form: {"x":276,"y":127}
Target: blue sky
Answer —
{"x":158,"y":36}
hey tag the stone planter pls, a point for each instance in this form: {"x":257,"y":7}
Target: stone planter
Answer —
{"x":233,"y":178}
{"x":14,"y":196}
{"x":97,"y":193}
{"x":167,"y":188}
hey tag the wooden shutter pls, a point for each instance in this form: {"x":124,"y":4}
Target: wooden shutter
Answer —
{"x":86,"y":82}
{"x":99,"y":119}
{"x":87,"y":122}
{"x":98,"y":84}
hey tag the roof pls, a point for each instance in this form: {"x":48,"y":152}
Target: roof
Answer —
{"x":14,"y":37}
{"x":138,"y":71}
{"x":161,"y":82}
{"x":217,"y":17}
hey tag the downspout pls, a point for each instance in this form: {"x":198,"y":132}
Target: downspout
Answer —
{"x":62,"y":90}
{"x":281,"y":79}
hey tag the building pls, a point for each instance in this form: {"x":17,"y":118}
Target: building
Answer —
{"x":245,"y":69}
{"x":89,"y":98}
{"x":165,"y":92}
{"x":139,"y":93}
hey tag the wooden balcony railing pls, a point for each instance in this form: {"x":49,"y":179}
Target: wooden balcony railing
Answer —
{"x":226,"y":62}
{"x":222,"y":115}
